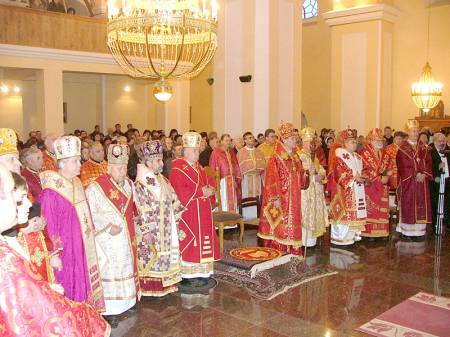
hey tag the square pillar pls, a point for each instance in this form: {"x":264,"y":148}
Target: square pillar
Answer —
{"x":49,"y":100}
{"x":361,"y":68}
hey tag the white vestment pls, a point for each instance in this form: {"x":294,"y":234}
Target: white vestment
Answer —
{"x":118,"y":279}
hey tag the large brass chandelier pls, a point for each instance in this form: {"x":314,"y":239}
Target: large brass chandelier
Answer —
{"x":426,"y":93}
{"x":162,"y":39}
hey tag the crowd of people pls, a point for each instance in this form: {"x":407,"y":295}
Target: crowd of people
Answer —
{"x":92,"y":222}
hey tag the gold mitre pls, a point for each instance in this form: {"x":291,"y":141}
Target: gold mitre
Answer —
{"x":307,"y":134}
{"x":66,"y":147}
{"x":191,"y":139}
{"x":118,"y":154}
{"x":8,"y":141}
{"x":411,"y":124}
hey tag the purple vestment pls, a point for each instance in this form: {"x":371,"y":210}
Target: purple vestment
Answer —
{"x":63,"y":227}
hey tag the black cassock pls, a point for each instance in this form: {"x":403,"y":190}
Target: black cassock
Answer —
{"x":437,"y":159}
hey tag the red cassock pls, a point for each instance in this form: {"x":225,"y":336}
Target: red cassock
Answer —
{"x":281,"y":226}
{"x":414,"y":196}
{"x":198,"y":238}
{"x":227,"y":165}
{"x":320,"y":154}
{"x":30,"y":308}
{"x":33,"y":183}
{"x":391,"y":151}
{"x":375,"y":165}
{"x":37,"y":244}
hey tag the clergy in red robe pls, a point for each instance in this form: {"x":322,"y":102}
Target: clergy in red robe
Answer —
{"x":375,"y":168}
{"x":32,"y":161}
{"x":32,"y":236}
{"x":198,"y":239}
{"x":414,"y":173}
{"x":224,"y":160}
{"x":391,"y":151}
{"x":348,"y":205}
{"x":281,"y":213}
{"x":29,"y":306}
{"x":69,"y":225}
{"x":49,"y":154}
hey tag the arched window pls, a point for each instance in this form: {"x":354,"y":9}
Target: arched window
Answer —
{"x":309,"y":9}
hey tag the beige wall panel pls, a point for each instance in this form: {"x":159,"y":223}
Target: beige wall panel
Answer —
{"x":201,"y":101}
{"x":316,"y":69}
{"x":11,"y":114}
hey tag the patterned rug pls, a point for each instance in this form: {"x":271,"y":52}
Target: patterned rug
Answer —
{"x":255,"y":253}
{"x":270,"y":283}
{"x":422,"y":315}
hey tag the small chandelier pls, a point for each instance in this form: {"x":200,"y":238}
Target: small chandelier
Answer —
{"x":162,"y":39}
{"x":426,"y":93}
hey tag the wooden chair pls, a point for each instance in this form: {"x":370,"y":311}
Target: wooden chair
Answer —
{"x":224,"y":219}
{"x":251,"y":202}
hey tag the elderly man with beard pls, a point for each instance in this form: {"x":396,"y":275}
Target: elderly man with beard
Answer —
{"x":110,"y":199}
{"x":198,"y":239}
{"x":376,"y":165}
{"x":314,"y":208}
{"x":280,"y":223}
{"x":440,"y":186}
{"x":159,"y":212}
{"x":348,"y":205}
{"x":414,"y":173}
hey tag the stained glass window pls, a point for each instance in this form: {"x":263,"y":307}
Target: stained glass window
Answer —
{"x":309,"y":9}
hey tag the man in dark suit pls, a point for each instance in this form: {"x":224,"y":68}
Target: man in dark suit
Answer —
{"x":440,"y":186}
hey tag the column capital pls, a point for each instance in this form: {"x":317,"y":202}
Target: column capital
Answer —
{"x":361,"y":14}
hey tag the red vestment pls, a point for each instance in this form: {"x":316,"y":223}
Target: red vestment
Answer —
{"x":348,"y":207}
{"x":37,"y":245}
{"x":198,"y":238}
{"x":375,"y":165}
{"x":414,"y":196}
{"x":320,"y":155}
{"x":226,"y":163}
{"x":391,"y":151}
{"x":30,"y":308}
{"x":33,"y":183}
{"x":281,"y":227}
{"x":49,"y":162}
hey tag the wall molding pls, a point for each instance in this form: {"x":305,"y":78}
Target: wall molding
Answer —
{"x":361,"y":14}
{"x":56,"y":54}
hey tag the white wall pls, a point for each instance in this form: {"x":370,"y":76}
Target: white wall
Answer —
{"x":11,"y":115}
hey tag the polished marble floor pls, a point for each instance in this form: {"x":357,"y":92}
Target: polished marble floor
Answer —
{"x":372,"y":277}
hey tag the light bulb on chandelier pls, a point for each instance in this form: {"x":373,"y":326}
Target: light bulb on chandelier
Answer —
{"x":162,"y":91}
